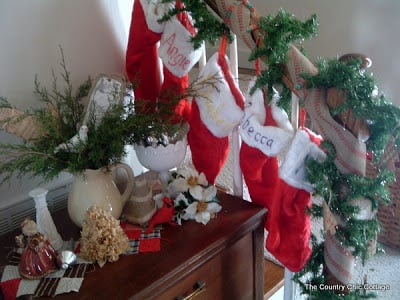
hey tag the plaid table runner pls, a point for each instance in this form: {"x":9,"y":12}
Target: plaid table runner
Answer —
{"x":70,"y":280}
{"x":62,"y":281}
{"x":141,"y":242}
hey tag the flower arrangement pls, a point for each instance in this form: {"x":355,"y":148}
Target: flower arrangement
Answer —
{"x":194,"y":198}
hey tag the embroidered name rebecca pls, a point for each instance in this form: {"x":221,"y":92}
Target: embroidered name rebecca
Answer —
{"x":257,"y":136}
{"x":175,"y":58}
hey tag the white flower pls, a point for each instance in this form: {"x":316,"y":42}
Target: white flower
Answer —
{"x":190,"y":211}
{"x":194,"y":197}
{"x":201,"y":211}
{"x":176,"y":187}
{"x":188,"y":179}
{"x":203,"y":194}
{"x":188,"y":172}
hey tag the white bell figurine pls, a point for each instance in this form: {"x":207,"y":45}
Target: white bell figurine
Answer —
{"x":44,"y":221}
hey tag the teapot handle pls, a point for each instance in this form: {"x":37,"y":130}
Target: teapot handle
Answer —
{"x":130,"y":180}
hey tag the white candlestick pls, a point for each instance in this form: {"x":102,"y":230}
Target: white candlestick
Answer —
{"x":44,"y":221}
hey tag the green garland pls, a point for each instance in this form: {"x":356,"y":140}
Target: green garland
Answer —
{"x":318,"y":278}
{"x":329,"y":181}
{"x":382,"y":116}
{"x":282,"y":30}
{"x":209,"y":28}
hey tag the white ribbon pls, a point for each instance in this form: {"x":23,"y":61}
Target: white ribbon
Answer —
{"x":338,"y":259}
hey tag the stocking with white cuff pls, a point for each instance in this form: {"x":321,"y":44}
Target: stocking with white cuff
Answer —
{"x":288,"y":220}
{"x":215,"y":112}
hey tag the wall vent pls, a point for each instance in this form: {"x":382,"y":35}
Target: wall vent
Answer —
{"x":11,"y":217}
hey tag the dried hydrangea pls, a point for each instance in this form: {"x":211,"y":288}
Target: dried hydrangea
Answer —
{"x":102,"y":238}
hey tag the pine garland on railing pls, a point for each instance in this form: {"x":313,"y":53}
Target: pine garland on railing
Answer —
{"x":273,"y":36}
{"x":280,"y":30}
{"x":208,"y":27}
{"x":360,"y":88}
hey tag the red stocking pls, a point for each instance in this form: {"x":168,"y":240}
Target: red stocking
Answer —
{"x":288,"y":221}
{"x":175,"y":51}
{"x":178,"y":57}
{"x":213,"y":118}
{"x":259,"y":170}
{"x":142,"y":65}
{"x":288,"y":225}
{"x":208,"y":151}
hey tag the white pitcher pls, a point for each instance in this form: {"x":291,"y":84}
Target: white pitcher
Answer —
{"x":97,"y":187}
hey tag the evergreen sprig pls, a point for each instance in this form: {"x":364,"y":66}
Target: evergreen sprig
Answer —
{"x":161,"y":118}
{"x":159,"y":122}
{"x":280,"y":31}
{"x":58,"y":120}
{"x":209,"y":28}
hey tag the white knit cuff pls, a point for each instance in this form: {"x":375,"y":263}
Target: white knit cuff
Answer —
{"x":176,"y":50}
{"x":292,"y":170}
{"x":218,"y":108}
{"x":153,"y":11}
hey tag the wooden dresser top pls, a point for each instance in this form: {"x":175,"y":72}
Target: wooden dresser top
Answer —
{"x":182,"y":248}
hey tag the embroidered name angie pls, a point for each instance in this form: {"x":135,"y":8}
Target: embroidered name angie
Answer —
{"x":175,"y":57}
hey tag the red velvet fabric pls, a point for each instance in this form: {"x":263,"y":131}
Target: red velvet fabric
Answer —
{"x":142,"y":66}
{"x":287,"y":222}
{"x":209,"y":152}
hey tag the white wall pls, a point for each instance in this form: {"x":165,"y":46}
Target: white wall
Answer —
{"x":371,"y":27}
{"x":93,"y":34}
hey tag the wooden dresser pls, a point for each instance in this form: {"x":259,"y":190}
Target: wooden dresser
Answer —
{"x":221,"y":260}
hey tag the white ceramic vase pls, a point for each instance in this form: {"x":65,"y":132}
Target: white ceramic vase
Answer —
{"x":162,"y":158}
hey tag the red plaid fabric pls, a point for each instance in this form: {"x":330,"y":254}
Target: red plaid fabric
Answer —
{"x":70,"y":280}
{"x":140,"y":241}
